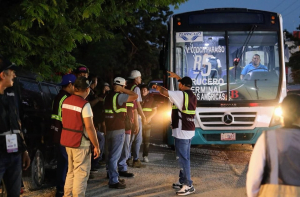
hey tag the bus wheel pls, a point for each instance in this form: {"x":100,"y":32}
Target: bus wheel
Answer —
{"x":36,"y":177}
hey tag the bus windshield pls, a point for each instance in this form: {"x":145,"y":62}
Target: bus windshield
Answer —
{"x":243,"y":66}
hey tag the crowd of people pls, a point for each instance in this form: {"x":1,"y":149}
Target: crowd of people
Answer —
{"x":90,"y":125}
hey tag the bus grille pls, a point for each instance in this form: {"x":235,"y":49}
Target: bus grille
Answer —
{"x":235,"y":119}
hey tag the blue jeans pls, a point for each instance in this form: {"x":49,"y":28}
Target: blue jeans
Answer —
{"x":114,"y":146}
{"x":101,"y":141}
{"x":11,"y":172}
{"x":122,"y":165}
{"x":62,"y":168}
{"x":183,"y":148}
{"x":135,"y":143}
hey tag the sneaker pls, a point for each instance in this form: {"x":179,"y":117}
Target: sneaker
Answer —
{"x":118,"y":185}
{"x":186,"y":190}
{"x":137,"y":164}
{"x":126,"y":174}
{"x":145,"y":159}
{"x":177,"y":185}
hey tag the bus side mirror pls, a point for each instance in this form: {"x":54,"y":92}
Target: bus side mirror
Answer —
{"x":162,"y":59}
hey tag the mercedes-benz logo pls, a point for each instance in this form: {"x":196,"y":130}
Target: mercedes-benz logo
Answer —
{"x":228,"y":119}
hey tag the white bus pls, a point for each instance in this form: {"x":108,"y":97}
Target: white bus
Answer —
{"x":235,"y":58}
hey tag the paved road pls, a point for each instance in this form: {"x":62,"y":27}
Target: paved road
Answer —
{"x":216,"y":171}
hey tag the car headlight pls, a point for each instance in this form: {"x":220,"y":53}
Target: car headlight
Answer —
{"x":276,"y":118}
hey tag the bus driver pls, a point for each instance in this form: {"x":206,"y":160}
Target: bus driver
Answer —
{"x":253,"y":66}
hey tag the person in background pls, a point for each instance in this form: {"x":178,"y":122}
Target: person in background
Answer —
{"x":13,"y":149}
{"x":77,"y":133}
{"x":274,"y":164}
{"x":254,"y":66}
{"x":135,"y":79}
{"x":106,"y":89}
{"x":67,"y":84}
{"x":93,"y":99}
{"x":149,"y":109}
{"x":115,"y":111}
{"x":82,"y":71}
{"x":129,"y":127}
{"x":183,"y":128}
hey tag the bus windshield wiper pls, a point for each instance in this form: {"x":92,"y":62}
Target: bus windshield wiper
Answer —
{"x":237,"y":58}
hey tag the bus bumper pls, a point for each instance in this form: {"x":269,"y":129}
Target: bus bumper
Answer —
{"x":214,"y":136}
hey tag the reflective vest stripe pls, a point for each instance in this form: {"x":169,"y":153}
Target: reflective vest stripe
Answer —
{"x":132,"y":87}
{"x":129,"y":104}
{"x":72,"y":107}
{"x":58,"y":116}
{"x":174,"y":107}
{"x":147,"y":109}
{"x":186,"y":98}
{"x":110,"y":111}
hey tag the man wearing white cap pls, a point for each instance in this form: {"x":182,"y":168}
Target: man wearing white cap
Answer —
{"x":115,"y":111}
{"x":136,"y":139}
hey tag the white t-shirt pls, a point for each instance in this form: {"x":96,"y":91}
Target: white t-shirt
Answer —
{"x":176,"y":97}
{"x":86,"y":112}
{"x":139,"y":99}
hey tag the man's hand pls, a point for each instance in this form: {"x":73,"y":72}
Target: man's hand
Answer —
{"x":96,"y":152}
{"x":26,"y":160}
{"x":118,"y":88}
{"x":144,"y":120}
{"x":173,"y":75}
{"x":136,"y":129}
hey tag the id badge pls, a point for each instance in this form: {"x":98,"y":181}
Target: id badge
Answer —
{"x":11,"y":143}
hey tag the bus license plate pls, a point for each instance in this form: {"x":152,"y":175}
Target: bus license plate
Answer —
{"x":227,"y":136}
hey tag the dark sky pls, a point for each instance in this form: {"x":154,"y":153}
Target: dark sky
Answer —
{"x":289,"y":9}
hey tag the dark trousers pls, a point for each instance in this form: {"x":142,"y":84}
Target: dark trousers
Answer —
{"x":11,"y":172}
{"x":146,"y":139}
{"x":62,"y":167}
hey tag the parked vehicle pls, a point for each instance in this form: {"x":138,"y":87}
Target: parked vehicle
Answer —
{"x":35,"y":104}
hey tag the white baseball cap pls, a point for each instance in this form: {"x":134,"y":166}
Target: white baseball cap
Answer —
{"x":120,"y":81}
{"x":134,"y":74}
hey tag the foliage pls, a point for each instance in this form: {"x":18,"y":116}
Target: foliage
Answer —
{"x":40,"y":35}
{"x":135,"y":45}
{"x":294,"y":63}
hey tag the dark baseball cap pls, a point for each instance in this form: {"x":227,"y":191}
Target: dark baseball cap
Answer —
{"x":187,"y":81}
{"x":82,"y":69}
{"x":6,"y":64}
{"x":82,"y":83}
{"x":66,"y":79}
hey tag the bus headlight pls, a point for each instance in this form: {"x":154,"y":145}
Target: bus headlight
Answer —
{"x":276,"y":118}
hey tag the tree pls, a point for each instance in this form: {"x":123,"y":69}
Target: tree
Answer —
{"x":135,"y":45}
{"x":294,"y":61}
{"x":41,"y":34}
